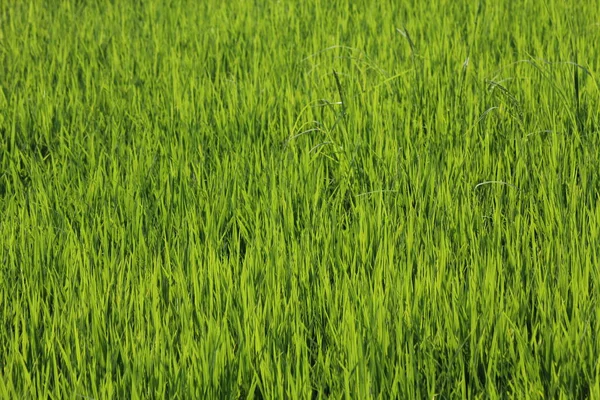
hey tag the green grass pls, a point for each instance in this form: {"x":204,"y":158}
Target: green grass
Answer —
{"x":318,"y":199}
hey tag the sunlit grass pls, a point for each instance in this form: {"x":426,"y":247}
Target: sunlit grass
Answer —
{"x":299,"y":200}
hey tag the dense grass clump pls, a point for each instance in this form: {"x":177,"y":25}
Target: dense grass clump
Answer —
{"x":345,"y":199}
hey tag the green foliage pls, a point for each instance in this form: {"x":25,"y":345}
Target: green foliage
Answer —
{"x":237,"y":199}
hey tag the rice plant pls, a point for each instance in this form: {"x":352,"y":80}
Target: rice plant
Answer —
{"x":309,"y":199}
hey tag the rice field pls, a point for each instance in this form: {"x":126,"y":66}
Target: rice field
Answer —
{"x":299,"y":200}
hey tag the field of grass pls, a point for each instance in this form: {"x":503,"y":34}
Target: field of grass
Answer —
{"x":317,"y":199}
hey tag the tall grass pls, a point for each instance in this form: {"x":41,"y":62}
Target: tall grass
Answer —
{"x":299,"y":199}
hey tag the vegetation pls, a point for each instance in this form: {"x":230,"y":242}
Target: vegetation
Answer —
{"x":345,"y":199}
